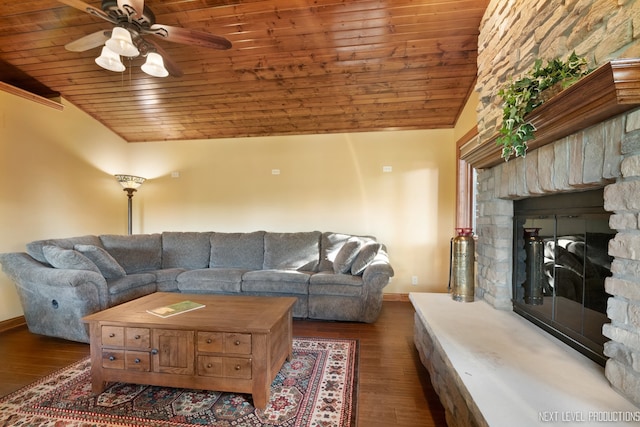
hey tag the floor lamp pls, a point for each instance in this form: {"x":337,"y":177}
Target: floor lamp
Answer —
{"x":130,"y":184}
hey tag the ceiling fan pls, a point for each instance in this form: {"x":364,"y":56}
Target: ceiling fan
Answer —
{"x":132,"y":20}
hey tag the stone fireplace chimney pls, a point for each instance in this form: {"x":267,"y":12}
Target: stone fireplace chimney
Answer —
{"x":602,"y":152}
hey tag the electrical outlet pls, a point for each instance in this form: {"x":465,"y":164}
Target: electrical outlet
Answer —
{"x":414,"y":280}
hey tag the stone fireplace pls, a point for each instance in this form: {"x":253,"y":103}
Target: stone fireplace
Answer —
{"x":582,"y":143}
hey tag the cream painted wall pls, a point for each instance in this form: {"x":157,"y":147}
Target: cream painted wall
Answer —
{"x":326,"y":182}
{"x":468,"y":117}
{"x":56,"y":179}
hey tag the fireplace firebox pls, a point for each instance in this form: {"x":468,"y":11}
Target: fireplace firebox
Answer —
{"x":560,"y":264}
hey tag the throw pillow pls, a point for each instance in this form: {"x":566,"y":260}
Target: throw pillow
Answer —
{"x":346,"y":255}
{"x":367,"y":253}
{"x":108,"y":266}
{"x":68,"y":259}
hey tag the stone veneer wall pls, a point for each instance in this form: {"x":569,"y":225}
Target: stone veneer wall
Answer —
{"x":513,"y":34}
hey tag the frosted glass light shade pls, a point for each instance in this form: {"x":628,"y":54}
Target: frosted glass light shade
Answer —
{"x":130,"y":181}
{"x":110,"y":60}
{"x":154,"y":65}
{"x":121,"y":43}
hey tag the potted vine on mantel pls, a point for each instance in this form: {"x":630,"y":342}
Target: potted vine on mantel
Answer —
{"x":530,"y":91}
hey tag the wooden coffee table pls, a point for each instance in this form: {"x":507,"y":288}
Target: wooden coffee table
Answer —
{"x":234,"y":343}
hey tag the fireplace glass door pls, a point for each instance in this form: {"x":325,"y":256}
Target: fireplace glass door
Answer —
{"x":561,"y":262}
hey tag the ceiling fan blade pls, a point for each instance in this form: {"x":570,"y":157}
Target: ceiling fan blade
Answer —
{"x":132,"y":7}
{"x":80,"y":5}
{"x":185,"y":36}
{"x":171,"y":66}
{"x":89,"y":42}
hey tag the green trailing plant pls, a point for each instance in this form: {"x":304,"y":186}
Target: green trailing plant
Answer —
{"x":524,"y":95}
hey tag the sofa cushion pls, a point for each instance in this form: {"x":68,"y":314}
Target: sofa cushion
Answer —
{"x":166,"y":279}
{"x":68,"y":259}
{"x":107,"y":265}
{"x":130,"y":287}
{"x":189,"y":250}
{"x":296,"y":251}
{"x":325,"y":283}
{"x":237,"y":250}
{"x":330,"y":244}
{"x":347,"y":254}
{"x":328,"y":278}
{"x":367,"y":253}
{"x":35,"y":248}
{"x":276,"y":281}
{"x":215,"y":280}
{"x":136,"y":253}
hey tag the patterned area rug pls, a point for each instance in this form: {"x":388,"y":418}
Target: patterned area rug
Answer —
{"x":317,"y":388}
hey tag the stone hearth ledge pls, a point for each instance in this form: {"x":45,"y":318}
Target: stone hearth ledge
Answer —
{"x":494,"y":368}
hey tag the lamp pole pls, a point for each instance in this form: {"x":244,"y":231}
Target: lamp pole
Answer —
{"x":130,"y":184}
{"x":130,"y":192}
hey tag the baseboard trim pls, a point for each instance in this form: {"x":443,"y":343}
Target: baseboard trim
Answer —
{"x":395,"y":297}
{"x":8,"y":324}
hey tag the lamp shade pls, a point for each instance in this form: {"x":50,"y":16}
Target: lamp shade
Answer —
{"x":130,"y":181}
{"x":154,"y":65}
{"x":110,"y":60}
{"x":121,"y":43}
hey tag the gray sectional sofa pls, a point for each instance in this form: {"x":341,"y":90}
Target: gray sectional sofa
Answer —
{"x":334,"y":276}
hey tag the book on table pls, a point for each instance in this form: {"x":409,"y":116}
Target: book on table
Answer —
{"x":177,"y":308}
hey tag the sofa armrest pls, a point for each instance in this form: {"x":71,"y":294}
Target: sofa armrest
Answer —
{"x":27,"y":273}
{"x":379,"y":271}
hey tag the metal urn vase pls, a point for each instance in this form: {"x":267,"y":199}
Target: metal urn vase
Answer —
{"x":462,"y":267}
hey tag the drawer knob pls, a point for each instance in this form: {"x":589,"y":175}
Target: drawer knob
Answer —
{"x":237,"y":367}
{"x":112,"y":358}
{"x":209,"y":341}
{"x":237,"y":342}
{"x":111,"y":335}
{"x":137,"y":360}
{"x":154,"y":351}
{"x":209,"y":365}
{"x":137,"y":337}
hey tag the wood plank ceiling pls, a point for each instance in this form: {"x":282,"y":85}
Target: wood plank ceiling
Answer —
{"x":296,"y":66}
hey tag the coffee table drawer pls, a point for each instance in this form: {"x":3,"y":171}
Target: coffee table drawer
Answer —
{"x":224,"y":342}
{"x":113,"y":359}
{"x":137,"y":361}
{"x":113,"y":336}
{"x":227,"y":367}
{"x":129,"y":360}
{"x":118,"y":336}
{"x":137,"y":338}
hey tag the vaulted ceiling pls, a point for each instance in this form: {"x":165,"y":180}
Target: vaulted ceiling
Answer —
{"x":295,"y":66}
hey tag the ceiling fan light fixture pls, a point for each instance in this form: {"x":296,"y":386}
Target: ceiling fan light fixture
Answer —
{"x":154,"y":65}
{"x":110,"y":60}
{"x":121,"y":43}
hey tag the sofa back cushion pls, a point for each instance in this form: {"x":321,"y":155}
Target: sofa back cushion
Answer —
{"x":188,"y":249}
{"x":68,"y":259}
{"x":293,"y":251}
{"x":366,"y":255}
{"x":135,"y":253}
{"x":35,"y":248}
{"x":330,"y":245}
{"x":108,"y":266}
{"x":237,"y":250}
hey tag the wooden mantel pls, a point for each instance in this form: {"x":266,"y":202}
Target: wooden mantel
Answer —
{"x":608,"y":91}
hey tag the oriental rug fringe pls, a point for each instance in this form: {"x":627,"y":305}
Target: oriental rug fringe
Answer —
{"x":317,"y":388}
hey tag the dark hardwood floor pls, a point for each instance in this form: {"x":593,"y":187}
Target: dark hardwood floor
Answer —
{"x":394,"y":389}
